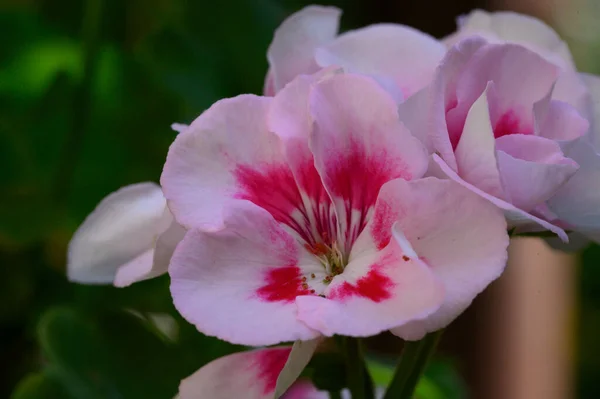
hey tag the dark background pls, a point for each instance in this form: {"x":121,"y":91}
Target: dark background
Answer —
{"x":88,"y":90}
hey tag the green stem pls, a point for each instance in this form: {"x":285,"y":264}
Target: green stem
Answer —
{"x":413,"y":360}
{"x":356,"y":371}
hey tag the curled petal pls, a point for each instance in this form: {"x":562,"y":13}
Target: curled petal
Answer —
{"x":120,"y":232}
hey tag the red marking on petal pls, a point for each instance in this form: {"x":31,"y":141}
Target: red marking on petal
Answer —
{"x":381,"y":229}
{"x":357,"y":176}
{"x":510,"y":123}
{"x":283,"y":284}
{"x":270,"y":362}
{"x":273,"y":188}
{"x":375,"y":286}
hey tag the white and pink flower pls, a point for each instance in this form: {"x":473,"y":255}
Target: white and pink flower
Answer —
{"x":308,"y":215}
{"x":570,"y":108}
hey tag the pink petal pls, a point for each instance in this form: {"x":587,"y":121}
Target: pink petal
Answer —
{"x":515,"y":216}
{"x":292,"y":51}
{"x":458,"y":235}
{"x":557,"y":120}
{"x":476,"y":152}
{"x":119,"y":232}
{"x":510,"y":27}
{"x":510,"y":68}
{"x":248,"y":375}
{"x":357,"y":138}
{"x":424,"y":112}
{"x":228,"y":156}
{"x":376,"y":292}
{"x":407,"y":56}
{"x":572,"y":88}
{"x":578,"y":201}
{"x":240,"y":283}
{"x":532,"y":169}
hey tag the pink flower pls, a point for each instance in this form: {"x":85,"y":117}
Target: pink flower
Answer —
{"x":497,"y":121}
{"x":399,"y":57}
{"x":249,"y":375}
{"x":574,"y":205}
{"x":308,"y":215}
{"x":129,"y":237}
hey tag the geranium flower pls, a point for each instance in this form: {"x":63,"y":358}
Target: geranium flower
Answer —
{"x":400,"y":58}
{"x":307,"y":215}
{"x":576,"y":204}
{"x":498,"y":124}
{"x":129,"y":237}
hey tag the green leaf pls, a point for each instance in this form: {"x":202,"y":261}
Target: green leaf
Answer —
{"x":42,"y":385}
{"x":111,"y":355}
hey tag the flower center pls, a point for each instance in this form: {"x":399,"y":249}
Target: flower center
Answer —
{"x":330,"y":255}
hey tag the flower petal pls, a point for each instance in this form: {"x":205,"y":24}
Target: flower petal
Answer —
{"x":248,"y":375}
{"x":511,"y":27}
{"x":510,"y":68}
{"x":228,"y":156}
{"x":476,"y":153}
{"x":407,"y":56}
{"x":424,"y":112}
{"x":358,"y":138}
{"x":240,"y":283}
{"x":559,"y":121}
{"x":532,"y":168}
{"x":292,"y":51}
{"x":154,"y":262}
{"x":459,"y":236}
{"x":376,"y":292}
{"x":516,"y":217}
{"x":578,"y":201}
{"x":120,"y":231}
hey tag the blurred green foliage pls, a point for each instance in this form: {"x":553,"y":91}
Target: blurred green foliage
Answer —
{"x":88,"y":90}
